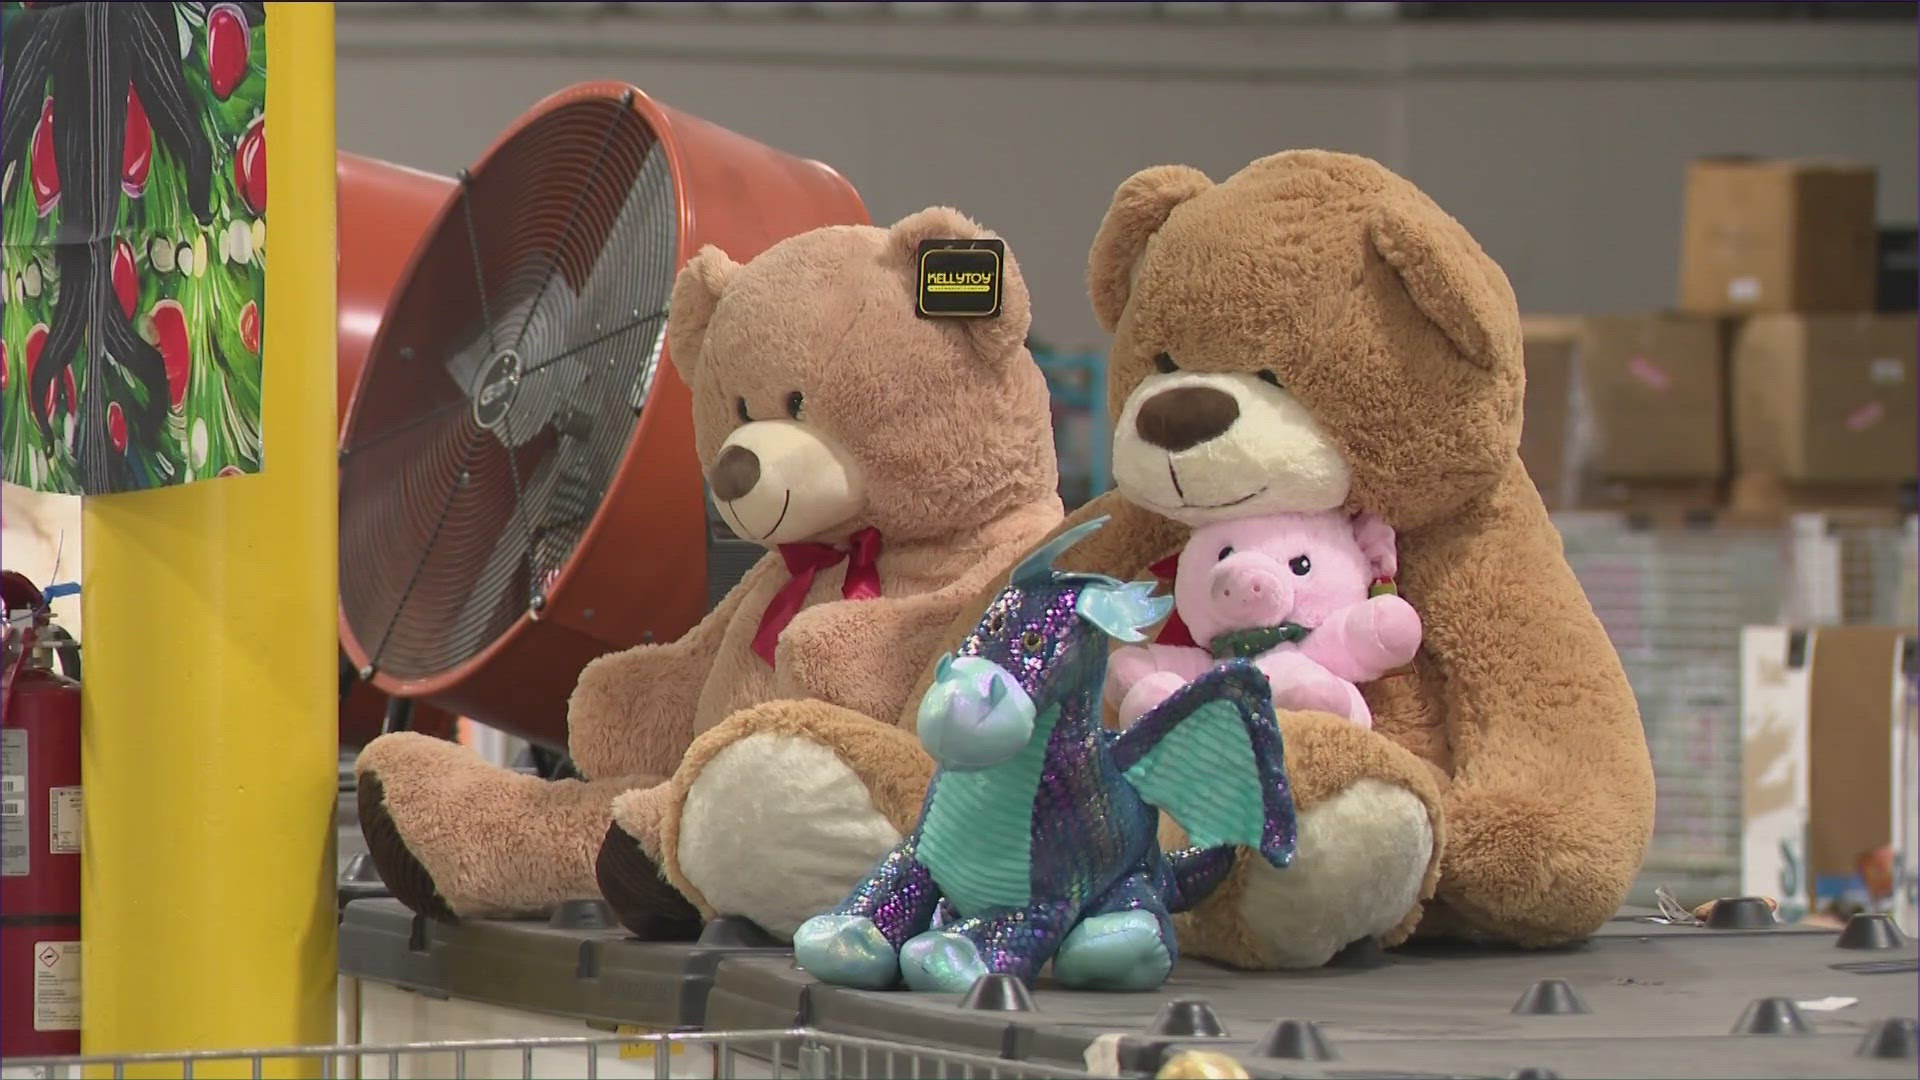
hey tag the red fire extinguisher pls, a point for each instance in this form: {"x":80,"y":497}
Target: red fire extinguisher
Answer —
{"x":40,"y":827}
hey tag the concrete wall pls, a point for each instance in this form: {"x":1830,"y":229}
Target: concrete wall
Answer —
{"x":1562,"y":146}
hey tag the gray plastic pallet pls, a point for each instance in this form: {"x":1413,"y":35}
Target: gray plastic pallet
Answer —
{"x":1660,"y":1001}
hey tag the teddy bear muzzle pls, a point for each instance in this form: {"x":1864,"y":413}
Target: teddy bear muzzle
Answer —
{"x":778,"y":481}
{"x":1200,"y":447}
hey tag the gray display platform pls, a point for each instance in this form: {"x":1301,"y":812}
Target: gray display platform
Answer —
{"x":1658,"y":1001}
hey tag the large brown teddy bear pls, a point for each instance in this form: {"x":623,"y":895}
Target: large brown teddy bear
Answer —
{"x":1313,"y":334}
{"x":896,"y":461}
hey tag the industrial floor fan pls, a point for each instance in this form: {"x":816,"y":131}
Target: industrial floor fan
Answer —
{"x":385,"y":211}
{"x":518,"y":488}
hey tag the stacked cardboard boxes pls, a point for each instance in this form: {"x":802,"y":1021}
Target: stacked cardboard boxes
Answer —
{"x":1625,"y":411}
{"x":1775,"y":385}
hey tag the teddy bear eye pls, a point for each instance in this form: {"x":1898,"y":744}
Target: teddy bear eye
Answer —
{"x":794,"y":401}
{"x":740,"y":409}
{"x":1164,"y":364}
{"x":1226,"y":551}
{"x":1031,"y":641}
{"x":1300,"y":565}
{"x":1267,"y":376}
{"x":996,"y":622}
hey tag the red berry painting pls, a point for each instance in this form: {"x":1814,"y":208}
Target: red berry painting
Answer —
{"x":133,"y":205}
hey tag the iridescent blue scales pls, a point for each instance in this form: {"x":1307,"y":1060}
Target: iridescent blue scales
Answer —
{"x":1038,"y":838}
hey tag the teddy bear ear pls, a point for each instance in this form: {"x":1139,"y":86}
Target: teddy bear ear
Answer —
{"x":996,"y":338}
{"x":1452,"y":281}
{"x":696,"y":292}
{"x":1377,"y":543}
{"x":1140,"y":206}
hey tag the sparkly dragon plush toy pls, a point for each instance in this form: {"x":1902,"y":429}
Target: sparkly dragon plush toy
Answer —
{"x":1038,"y":839}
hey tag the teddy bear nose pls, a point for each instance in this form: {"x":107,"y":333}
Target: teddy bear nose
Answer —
{"x":734,"y":474}
{"x":1185,"y":416}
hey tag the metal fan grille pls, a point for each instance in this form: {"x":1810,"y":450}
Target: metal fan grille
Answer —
{"x":504,"y":389}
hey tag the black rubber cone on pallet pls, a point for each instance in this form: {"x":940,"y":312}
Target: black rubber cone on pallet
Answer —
{"x":1890,"y":1040}
{"x":1871,"y":930}
{"x":1187,"y":1018}
{"x":737,"y":932}
{"x":361,"y":871}
{"x":1550,"y":997}
{"x":583,"y":915}
{"x":1772,"y":1016}
{"x":998,"y":992}
{"x":1295,"y":1040}
{"x":1741,"y":913}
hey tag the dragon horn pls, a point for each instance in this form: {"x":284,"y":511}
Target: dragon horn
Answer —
{"x":1037,"y":569}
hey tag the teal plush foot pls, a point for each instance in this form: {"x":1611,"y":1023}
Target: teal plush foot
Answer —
{"x":939,"y":962}
{"x":846,"y":950}
{"x":1121,"y":950}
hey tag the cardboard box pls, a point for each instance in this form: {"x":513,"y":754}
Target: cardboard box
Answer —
{"x":1860,"y":749}
{"x":1826,"y":398}
{"x":1828,"y":736}
{"x":1897,"y":279}
{"x":1552,"y":429}
{"x":1656,"y":389}
{"x":1770,"y":236}
{"x":1774,"y":786}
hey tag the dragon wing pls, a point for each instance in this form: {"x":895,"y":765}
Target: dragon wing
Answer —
{"x":1210,"y":755}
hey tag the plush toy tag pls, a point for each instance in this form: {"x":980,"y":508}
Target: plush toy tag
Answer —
{"x":960,"y":279}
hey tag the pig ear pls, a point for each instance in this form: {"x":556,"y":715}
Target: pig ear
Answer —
{"x":696,"y":292}
{"x":997,"y":339}
{"x":1376,"y":541}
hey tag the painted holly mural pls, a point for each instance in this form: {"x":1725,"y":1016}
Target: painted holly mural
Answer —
{"x":133,"y":204}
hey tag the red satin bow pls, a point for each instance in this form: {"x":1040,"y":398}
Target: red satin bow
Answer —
{"x":803,"y":562}
{"x":1174,"y":631}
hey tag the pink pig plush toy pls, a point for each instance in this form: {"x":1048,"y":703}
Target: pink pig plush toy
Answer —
{"x":1290,"y":592}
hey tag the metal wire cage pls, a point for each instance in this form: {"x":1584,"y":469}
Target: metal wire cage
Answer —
{"x":798,"y":1052}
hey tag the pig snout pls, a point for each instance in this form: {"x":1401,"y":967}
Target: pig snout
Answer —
{"x":1250,"y":591}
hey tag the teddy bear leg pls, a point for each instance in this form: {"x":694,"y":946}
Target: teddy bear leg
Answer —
{"x":1367,"y":856}
{"x":628,"y":870}
{"x":455,"y":837}
{"x":781,"y":809}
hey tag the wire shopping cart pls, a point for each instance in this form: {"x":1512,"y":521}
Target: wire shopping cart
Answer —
{"x":747,"y":1055}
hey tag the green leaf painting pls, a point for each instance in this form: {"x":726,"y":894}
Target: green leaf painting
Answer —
{"x":133,"y":204}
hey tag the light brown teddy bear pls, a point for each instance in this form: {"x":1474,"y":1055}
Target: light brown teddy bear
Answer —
{"x":1315,"y":334}
{"x":891,"y":464}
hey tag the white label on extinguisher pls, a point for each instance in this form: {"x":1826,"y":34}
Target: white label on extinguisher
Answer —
{"x":56,"y":986}
{"x":63,"y":820}
{"x":15,"y":859}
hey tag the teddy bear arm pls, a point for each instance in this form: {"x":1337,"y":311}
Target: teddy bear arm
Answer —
{"x":632,"y":712}
{"x":1551,"y":804}
{"x":1122,"y":548}
{"x":866,"y":655}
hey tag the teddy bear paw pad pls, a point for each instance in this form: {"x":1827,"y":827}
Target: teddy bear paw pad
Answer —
{"x":847,"y":950}
{"x":397,"y":866}
{"x":629,"y":879}
{"x":941,"y":962}
{"x":1121,"y":950}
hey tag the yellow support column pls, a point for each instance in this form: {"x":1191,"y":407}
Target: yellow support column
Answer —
{"x":210,"y":688}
